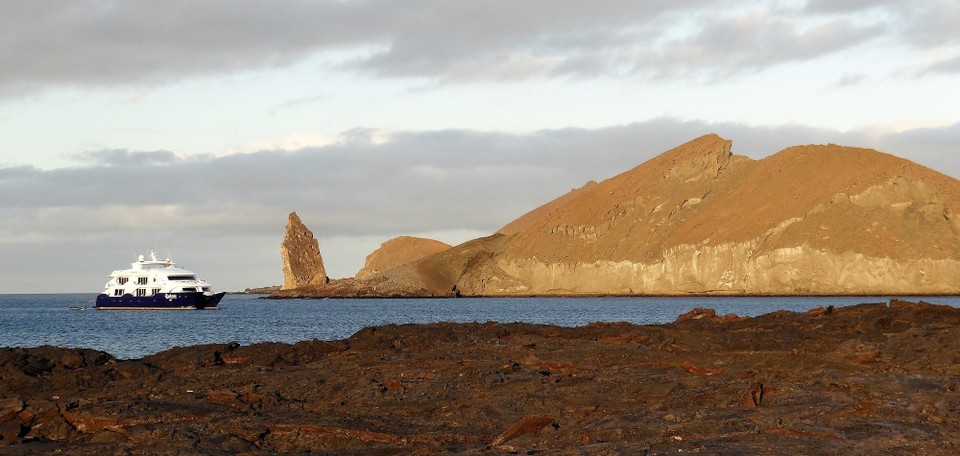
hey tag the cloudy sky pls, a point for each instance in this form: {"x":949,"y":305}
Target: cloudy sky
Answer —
{"x":196,"y":127}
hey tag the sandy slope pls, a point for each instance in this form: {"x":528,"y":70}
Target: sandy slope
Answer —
{"x":397,"y":251}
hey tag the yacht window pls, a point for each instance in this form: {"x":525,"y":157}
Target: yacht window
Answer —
{"x":141,"y":292}
{"x":141,"y":280}
{"x":155,"y":291}
{"x":189,"y":289}
{"x":181,"y":277}
{"x":121,"y":280}
{"x":118,"y":292}
{"x":206,"y":288}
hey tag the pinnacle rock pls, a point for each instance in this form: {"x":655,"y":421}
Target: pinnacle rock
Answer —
{"x":300,"y":254}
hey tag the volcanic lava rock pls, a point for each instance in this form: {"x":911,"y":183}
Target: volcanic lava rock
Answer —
{"x":865,"y":379}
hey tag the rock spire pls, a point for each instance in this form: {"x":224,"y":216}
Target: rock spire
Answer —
{"x":300,"y":254}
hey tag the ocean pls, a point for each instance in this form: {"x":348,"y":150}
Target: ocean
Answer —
{"x":45,"y":319}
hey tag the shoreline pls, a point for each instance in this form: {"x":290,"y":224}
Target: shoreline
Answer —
{"x":851,"y":379}
{"x":573,"y":296}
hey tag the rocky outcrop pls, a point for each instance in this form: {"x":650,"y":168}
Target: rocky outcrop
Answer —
{"x":262,"y":290}
{"x":864,"y":379}
{"x":300,"y":255}
{"x":398,"y":251}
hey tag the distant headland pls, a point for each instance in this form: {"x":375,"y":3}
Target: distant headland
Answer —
{"x":696,"y":219}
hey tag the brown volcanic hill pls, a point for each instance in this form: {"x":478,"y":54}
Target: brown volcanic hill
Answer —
{"x":689,"y":195}
{"x":698,"y":219}
{"x":623,"y":217}
{"x":397,"y":251}
{"x":529,"y":218}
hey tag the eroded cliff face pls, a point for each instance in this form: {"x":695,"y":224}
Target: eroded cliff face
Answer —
{"x":726,"y":269}
{"x":300,"y":256}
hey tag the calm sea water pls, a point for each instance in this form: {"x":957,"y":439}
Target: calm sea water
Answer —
{"x":33,"y":320}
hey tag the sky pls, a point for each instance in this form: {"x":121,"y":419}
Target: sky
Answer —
{"x":195,"y":128}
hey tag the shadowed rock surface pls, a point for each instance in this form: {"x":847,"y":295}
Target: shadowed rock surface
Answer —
{"x":866,"y":379}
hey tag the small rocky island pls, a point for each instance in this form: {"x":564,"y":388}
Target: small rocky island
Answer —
{"x":868,"y":379}
{"x":696,"y":220}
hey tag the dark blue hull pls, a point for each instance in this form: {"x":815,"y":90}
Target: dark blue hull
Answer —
{"x":162,"y":301}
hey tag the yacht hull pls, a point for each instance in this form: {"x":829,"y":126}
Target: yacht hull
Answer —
{"x":161,"y":301}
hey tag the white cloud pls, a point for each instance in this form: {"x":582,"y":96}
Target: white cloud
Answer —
{"x":290,"y":143}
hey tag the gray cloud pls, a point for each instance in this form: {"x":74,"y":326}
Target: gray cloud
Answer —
{"x":126,"y":158}
{"x":727,"y":46}
{"x":932,"y":23}
{"x":226,"y":214}
{"x":848,"y":6}
{"x":923,"y":23}
{"x":851,"y":80}
{"x":432,"y":173}
{"x":951,"y":65}
{"x":97,"y":43}
{"x":100,"y":44}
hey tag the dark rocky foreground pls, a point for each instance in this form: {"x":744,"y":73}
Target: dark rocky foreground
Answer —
{"x":869,"y":379}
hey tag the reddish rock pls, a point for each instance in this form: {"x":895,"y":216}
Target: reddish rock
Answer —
{"x":10,"y":408}
{"x":802,"y":433}
{"x":700,"y":370}
{"x":12,"y":429}
{"x":526,"y":425}
{"x":225,"y":397}
{"x":50,"y":425}
{"x":707,"y":315}
{"x":609,"y":388}
{"x":91,"y":424}
{"x":34,"y":408}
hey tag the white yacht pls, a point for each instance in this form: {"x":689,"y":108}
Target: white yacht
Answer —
{"x":156,"y":284}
